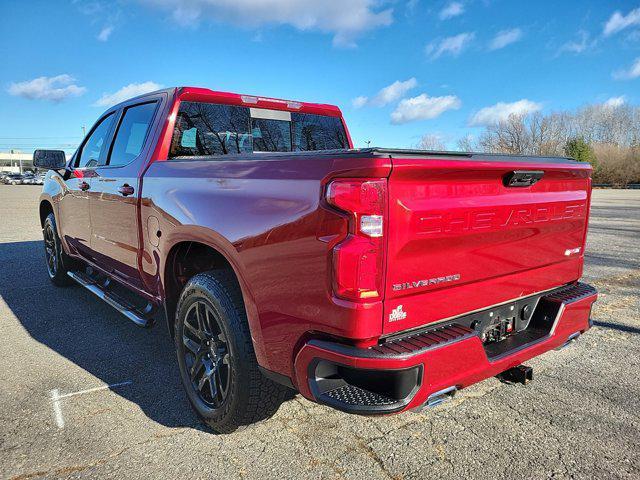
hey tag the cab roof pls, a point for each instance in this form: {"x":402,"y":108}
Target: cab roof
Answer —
{"x":198,"y":94}
{"x":255,"y":101}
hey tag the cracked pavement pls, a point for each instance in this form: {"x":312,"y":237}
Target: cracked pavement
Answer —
{"x":579,"y":418}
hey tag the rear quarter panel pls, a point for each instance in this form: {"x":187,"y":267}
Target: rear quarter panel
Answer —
{"x":266,"y":216}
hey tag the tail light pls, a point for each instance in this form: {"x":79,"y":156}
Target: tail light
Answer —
{"x":358,"y":261}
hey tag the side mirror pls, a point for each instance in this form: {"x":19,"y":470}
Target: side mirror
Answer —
{"x":49,"y":159}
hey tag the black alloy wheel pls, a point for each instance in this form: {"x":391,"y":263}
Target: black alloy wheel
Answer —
{"x":206,"y":354}
{"x":58,"y":262}
{"x":51,"y":250}
{"x":216,"y":359}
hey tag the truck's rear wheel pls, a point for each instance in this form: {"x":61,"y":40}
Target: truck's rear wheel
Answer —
{"x":54,"y":254}
{"x":217,"y":362}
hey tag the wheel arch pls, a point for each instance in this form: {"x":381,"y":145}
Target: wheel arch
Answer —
{"x":45,"y":208}
{"x":188,"y":257}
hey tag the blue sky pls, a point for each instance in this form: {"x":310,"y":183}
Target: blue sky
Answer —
{"x":450,"y":66}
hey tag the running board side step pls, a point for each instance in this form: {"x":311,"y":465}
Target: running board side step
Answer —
{"x":141,"y":318}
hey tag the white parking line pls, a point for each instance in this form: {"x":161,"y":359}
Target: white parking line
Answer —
{"x":90,"y":390}
{"x":57,"y":411}
{"x":56,"y":398}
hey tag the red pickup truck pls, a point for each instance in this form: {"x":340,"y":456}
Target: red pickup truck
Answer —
{"x":370,"y":280}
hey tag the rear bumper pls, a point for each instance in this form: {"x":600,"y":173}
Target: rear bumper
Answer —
{"x":406,"y":372}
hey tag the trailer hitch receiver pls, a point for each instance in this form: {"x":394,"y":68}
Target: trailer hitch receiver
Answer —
{"x":520,"y":374}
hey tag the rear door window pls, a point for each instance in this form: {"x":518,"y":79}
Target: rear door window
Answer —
{"x":132,"y":133}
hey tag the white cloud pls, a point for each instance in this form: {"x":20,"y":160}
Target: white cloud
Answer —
{"x":619,"y":22}
{"x":423,"y":107}
{"x":393,"y":92}
{"x":453,"y":9}
{"x":55,"y":89}
{"x":105,"y":33}
{"x":615,"y":102}
{"x":387,"y":95}
{"x":577,"y":46}
{"x":504,"y":38}
{"x":125,"y":93}
{"x":102,"y":14}
{"x":359,"y":102}
{"x":502,"y":110}
{"x":629,"y":74}
{"x":411,"y":6}
{"x":449,"y":45}
{"x":346,"y":20}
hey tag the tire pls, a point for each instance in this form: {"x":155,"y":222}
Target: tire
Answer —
{"x":57,"y":261}
{"x":222,"y":380}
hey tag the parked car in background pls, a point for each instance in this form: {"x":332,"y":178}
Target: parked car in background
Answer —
{"x":13,"y":179}
{"x":39,"y":179}
{"x":28,"y":179}
{"x":371,"y":280}
{"x":3,"y":174}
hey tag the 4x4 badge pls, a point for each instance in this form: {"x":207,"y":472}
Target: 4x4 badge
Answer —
{"x":397,"y":314}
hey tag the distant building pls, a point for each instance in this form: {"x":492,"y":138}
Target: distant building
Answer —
{"x":15,"y":161}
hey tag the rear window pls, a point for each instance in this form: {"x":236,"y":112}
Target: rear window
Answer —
{"x":212,"y":129}
{"x":317,"y":132}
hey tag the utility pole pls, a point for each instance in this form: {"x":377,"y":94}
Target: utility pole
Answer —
{"x":84,"y":131}
{"x":368,"y":142}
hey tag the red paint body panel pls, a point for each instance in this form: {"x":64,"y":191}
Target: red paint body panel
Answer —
{"x":445,"y":215}
{"x":455,"y":218}
{"x":268,"y":218}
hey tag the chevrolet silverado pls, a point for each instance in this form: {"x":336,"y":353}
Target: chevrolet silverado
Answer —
{"x":282,"y":259}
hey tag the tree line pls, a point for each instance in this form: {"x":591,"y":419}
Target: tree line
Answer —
{"x":607,"y":136}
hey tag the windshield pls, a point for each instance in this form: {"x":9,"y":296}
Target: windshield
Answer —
{"x":213,"y":129}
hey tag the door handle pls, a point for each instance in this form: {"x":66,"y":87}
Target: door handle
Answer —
{"x":126,"y":190}
{"x":84,"y":186}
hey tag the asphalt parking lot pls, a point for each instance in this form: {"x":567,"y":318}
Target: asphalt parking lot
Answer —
{"x":61,"y":348}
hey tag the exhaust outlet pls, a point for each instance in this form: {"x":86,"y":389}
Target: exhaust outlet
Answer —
{"x":572,"y":338}
{"x":520,"y":374}
{"x":437,"y":398}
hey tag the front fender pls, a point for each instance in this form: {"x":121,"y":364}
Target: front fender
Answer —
{"x":52,"y":190}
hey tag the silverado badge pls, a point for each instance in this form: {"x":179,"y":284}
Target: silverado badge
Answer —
{"x":426,"y":282}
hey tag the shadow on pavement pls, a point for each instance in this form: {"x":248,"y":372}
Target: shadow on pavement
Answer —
{"x":617,"y":326}
{"x":75,"y":324}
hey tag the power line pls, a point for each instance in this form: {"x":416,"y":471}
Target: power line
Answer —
{"x":38,"y":138}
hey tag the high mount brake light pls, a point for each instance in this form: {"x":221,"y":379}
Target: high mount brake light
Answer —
{"x":358,"y":261}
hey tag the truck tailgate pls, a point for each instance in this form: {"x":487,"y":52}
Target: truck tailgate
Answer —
{"x":461,"y":239}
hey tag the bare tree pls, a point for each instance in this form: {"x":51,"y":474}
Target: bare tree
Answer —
{"x":613,"y":132}
{"x":431,"y":142}
{"x":467,"y":144}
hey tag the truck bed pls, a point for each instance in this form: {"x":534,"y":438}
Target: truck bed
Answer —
{"x":374,"y":152}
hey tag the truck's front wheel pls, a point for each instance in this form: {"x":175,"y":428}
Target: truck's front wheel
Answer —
{"x":56,"y":259}
{"x":217,"y":362}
